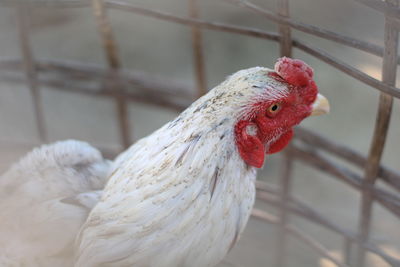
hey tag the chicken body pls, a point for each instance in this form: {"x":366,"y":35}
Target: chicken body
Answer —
{"x":178,"y":197}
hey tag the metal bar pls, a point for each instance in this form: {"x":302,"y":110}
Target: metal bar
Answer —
{"x":284,"y":30}
{"x":265,"y":216}
{"x":23,"y":17}
{"x":114,"y":64}
{"x":349,"y":70}
{"x":155,"y":97}
{"x":87,"y":79}
{"x":107,"y":37}
{"x":311,"y":29}
{"x":65,"y":71}
{"x":347,"y":250}
{"x":197,"y":46}
{"x":380,"y":133}
{"x":287,"y":166}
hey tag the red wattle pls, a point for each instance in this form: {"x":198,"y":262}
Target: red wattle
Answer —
{"x":250,"y":147}
{"x":281,"y":143}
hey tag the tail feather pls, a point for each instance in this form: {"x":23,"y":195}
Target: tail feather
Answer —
{"x":46,"y":197}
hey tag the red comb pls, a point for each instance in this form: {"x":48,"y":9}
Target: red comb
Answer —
{"x":294,"y":71}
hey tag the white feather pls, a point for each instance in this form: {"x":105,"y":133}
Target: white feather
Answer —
{"x":37,"y":225}
{"x":181,"y":196}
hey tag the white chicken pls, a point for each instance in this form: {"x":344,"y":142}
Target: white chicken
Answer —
{"x":178,"y":197}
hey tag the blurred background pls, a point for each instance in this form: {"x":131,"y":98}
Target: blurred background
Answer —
{"x":164,"y":49}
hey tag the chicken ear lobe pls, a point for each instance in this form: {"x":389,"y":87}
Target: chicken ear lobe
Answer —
{"x":250,"y":147}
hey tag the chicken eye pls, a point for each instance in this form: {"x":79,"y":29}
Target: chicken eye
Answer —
{"x":273,"y":109}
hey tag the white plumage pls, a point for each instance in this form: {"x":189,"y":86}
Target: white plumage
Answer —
{"x":39,"y":211}
{"x":179,"y":197}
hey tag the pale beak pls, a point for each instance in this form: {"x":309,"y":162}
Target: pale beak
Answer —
{"x":320,"y":106}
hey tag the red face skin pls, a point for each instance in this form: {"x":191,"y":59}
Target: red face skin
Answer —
{"x":273,"y":121}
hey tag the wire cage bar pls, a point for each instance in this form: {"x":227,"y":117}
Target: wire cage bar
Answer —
{"x":29,"y":68}
{"x":174,"y":94}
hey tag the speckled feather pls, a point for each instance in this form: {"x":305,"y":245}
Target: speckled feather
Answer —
{"x":181,"y":196}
